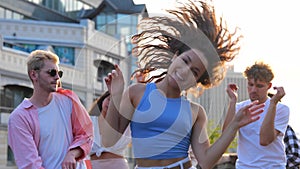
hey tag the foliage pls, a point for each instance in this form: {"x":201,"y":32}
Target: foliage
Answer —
{"x":214,"y":132}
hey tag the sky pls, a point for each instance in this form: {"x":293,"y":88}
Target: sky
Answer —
{"x":271,"y":33}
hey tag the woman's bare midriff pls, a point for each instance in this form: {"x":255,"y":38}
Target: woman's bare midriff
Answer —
{"x":105,"y":155}
{"x":150,"y":163}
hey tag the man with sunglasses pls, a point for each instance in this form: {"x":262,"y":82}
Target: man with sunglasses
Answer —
{"x":51,"y":129}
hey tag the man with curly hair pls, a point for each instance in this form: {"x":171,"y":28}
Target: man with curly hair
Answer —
{"x":260,"y":144}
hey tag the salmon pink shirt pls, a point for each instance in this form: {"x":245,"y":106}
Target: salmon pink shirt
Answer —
{"x":24,"y":131}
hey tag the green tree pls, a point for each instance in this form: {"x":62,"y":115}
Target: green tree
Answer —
{"x":214,"y":132}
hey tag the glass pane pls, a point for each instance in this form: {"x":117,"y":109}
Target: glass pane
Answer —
{"x":2,"y":12}
{"x":124,"y":19}
{"x":65,"y":54}
{"x":30,"y":47}
{"x":111,"y":29}
{"x":8,"y":14}
{"x":101,"y":28}
{"x":134,"y":19}
{"x":123,"y":30}
{"x":101,"y":19}
{"x":111,"y":18}
{"x":68,"y":5}
{"x":133,"y":29}
{"x":16,"y":16}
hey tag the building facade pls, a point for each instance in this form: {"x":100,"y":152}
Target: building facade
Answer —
{"x":79,"y":32}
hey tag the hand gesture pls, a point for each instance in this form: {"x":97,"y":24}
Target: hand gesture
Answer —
{"x":115,"y":84}
{"x":231,"y":91}
{"x":108,"y":80}
{"x":278,"y":95}
{"x":115,"y":81}
{"x":249,"y":113}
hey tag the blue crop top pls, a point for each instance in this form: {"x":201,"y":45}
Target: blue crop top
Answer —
{"x":161,"y":127}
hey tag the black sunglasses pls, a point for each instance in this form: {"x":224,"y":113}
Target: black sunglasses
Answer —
{"x":54,"y":72}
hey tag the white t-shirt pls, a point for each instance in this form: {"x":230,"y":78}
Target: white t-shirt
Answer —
{"x":251,"y":155}
{"x":119,"y":148}
{"x":55,"y":131}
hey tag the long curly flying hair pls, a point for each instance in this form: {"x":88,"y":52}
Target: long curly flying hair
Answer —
{"x":192,"y":27}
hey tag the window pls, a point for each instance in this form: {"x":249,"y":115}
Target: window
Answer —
{"x":2,"y":13}
{"x":124,"y":19}
{"x":10,"y":97}
{"x":111,"y":18}
{"x":111,"y":29}
{"x":103,"y":69}
{"x":66,"y":54}
{"x":8,"y":14}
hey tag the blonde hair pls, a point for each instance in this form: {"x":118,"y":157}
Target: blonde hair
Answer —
{"x":36,"y":59}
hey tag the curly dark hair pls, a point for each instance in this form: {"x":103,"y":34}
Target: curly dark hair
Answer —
{"x":192,"y":28}
{"x":259,"y":71}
